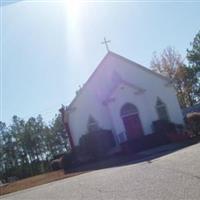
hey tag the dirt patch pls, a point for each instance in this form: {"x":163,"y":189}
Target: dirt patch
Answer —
{"x":35,"y":181}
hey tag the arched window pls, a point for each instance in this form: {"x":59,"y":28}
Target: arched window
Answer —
{"x":128,"y":109}
{"x":161,"y":110}
{"x":92,"y":124}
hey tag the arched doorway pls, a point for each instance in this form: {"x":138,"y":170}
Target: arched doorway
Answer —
{"x":130,"y":116}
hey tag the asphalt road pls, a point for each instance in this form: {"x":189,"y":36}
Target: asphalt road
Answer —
{"x":171,"y":177}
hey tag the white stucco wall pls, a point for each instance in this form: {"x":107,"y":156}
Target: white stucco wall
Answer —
{"x":125,"y":94}
{"x":145,"y":104}
{"x":100,"y":87}
{"x":85,"y":106}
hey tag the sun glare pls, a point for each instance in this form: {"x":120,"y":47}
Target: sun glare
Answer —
{"x":73,"y":9}
{"x":74,"y":20}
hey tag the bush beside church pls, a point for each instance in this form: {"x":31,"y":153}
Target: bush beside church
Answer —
{"x":192,"y":121}
{"x":97,"y":142}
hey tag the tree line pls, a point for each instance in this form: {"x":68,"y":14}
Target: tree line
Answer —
{"x":27,"y":147}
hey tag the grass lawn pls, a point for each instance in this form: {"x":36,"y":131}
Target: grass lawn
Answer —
{"x":35,"y":181}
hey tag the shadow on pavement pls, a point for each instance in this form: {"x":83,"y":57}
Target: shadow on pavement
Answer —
{"x":127,"y":159}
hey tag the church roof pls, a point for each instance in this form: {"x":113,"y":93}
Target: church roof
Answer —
{"x":110,"y":53}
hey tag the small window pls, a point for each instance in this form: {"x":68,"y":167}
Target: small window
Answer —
{"x":92,"y":124}
{"x":161,"y":110}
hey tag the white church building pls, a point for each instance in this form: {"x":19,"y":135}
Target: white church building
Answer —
{"x":124,"y":97}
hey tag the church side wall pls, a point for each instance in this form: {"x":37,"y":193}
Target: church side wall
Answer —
{"x":87,"y":104}
{"x":169,"y":97}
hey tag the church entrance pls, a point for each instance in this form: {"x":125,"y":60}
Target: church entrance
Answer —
{"x":131,"y":120}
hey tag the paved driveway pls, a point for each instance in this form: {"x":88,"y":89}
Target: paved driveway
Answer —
{"x":173,"y":176}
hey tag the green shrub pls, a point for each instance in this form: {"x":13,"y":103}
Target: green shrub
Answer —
{"x":68,"y":159}
{"x":145,"y":142}
{"x":193,"y":123}
{"x":97,"y":143}
{"x":57,"y":164}
{"x":163,"y":126}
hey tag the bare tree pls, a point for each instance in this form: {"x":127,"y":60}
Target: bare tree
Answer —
{"x":170,"y":64}
{"x":167,"y":62}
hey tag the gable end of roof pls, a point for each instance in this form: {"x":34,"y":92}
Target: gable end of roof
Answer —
{"x":140,"y":66}
{"x":110,"y":53}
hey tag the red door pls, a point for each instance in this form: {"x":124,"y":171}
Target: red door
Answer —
{"x":133,"y":126}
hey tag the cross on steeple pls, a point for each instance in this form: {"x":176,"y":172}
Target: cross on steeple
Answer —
{"x":106,"y":43}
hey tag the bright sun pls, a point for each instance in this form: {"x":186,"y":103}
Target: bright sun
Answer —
{"x":73,"y":10}
{"x":74,"y":16}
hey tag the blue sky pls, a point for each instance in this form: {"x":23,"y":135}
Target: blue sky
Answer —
{"x":49,"y":48}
